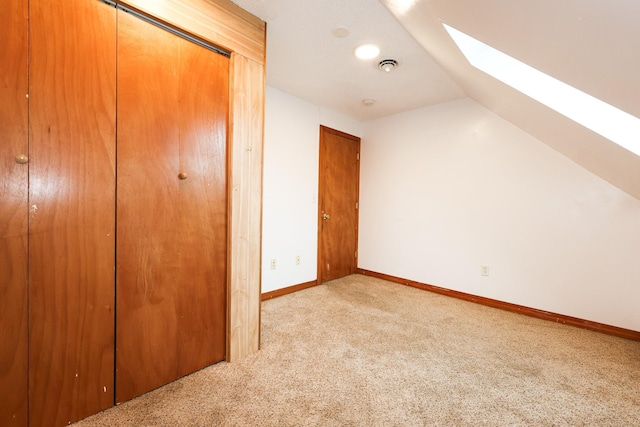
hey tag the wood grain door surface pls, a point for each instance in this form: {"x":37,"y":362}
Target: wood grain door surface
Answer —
{"x":338,"y":198}
{"x":13,"y":213}
{"x":171,"y":236}
{"x":72,"y":148}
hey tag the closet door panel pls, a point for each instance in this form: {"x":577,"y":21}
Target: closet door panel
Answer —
{"x":204,"y":103}
{"x":71,"y":209}
{"x":13,"y":212}
{"x":147,"y":183}
{"x":171,"y":240}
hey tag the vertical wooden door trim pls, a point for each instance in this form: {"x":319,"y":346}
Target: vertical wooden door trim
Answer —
{"x":321,"y":189}
{"x":247,"y":125}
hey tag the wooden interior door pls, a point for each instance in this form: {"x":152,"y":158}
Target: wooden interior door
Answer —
{"x":172,"y":207}
{"x":338,"y":204}
{"x":13,"y":212}
{"x":71,"y":209}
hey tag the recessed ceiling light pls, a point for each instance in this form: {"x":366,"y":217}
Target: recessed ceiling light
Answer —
{"x":367,"y":51}
{"x":340,"y":32}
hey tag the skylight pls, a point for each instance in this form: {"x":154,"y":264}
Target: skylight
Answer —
{"x":604,"y":119}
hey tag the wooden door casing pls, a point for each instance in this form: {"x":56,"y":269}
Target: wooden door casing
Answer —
{"x":72,"y":210}
{"x":172,"y":233}
{"x":13,"y":213}
{"x":338,"y":198}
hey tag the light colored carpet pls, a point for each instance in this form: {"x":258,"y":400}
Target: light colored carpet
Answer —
{"x":360,"y":351}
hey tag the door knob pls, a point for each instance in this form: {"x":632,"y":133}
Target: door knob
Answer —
{"x":22,"y":159}
{"x":182,"y":175}
{"x":325,"y":216}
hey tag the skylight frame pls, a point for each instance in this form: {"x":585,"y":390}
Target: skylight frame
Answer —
{"x":600,"y":117}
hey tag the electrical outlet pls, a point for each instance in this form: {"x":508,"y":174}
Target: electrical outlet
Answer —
{"x":484,"y":270}
{"x":274,"y":264}
{"x":297,"y":259}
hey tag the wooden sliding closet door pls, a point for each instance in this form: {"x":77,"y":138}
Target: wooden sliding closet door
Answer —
{"x":13,"y":212}
{"x":172,"y":207}
{"x":71,"y":209}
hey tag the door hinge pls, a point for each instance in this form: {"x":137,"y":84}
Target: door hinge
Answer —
{"x":355,"y":254}
{"x":357,"y":156}
{"x":356,"y":205}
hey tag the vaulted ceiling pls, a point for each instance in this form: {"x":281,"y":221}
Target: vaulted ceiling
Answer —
{"x":590,"y":44}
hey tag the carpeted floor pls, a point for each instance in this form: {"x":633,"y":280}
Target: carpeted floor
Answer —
{"x":360,"y":351}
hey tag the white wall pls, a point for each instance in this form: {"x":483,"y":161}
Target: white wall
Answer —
{"x":448,"y":188}
{"x":290,"y":187}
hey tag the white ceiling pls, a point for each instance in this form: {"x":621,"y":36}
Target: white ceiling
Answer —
{"x":593,"y":45}
{"x":304,"y":59}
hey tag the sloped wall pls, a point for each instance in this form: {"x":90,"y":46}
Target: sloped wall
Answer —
{"x":449,"y":188}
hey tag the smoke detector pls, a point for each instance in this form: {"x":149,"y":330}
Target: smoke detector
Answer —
{"x":387,"y":65}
